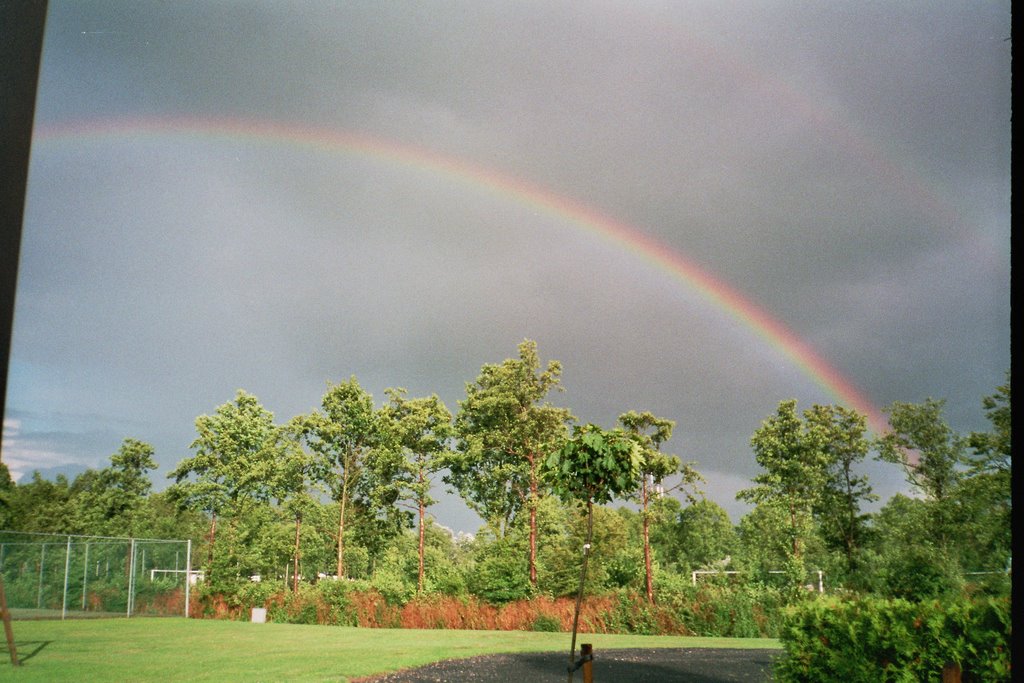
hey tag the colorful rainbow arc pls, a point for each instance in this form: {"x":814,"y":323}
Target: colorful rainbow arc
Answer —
{"x":623,"y":236}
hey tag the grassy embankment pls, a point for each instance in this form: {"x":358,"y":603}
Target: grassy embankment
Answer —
{"x":175,"y":649}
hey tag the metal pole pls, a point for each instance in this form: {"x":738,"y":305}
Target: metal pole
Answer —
{"x":85,"y":574}
{"x":67,"y":567}
{"x":188,"y":573}
{"x":42,"y":559}
{"x":131,"y":575}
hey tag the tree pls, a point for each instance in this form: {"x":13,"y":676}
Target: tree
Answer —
{"x":505,"y":430}
{"x":794,"y":458}
{"x":7,"y":489}
{"x":422,"y":428}
{"x":705,"y":536}
{"x":986,"y":495}
{"x":289,"y":480}
{"x":233,"y":453}
{"x":932,"y":456}
{"x":843,"y":433}
{"x":40,"y":505}
{"x":910,"y":562}
{"x":108,"y":501}
{"x":651,"y":432}
{"x":341,"y":437}
{"x":594,"y":466}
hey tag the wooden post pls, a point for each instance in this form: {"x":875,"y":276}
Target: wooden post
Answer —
{"x":587,"y":655}
{"x":8,"y":631}
{"x":951,"y":673}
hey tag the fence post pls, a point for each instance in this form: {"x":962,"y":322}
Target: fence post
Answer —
{"x":951,"y":673}
{"x":131,"y":575}
{"x":67,"y":567}
{"x":42,"y":560}
{"x":85,"y":574}
{"x":587,"y":655}
{"x":188,"y":573}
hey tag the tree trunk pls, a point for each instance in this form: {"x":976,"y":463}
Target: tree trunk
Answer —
{"x":213,"y":538}
{"x":645,"y":517}
{"x":533,"y":526}
{"x":341,"y":527}
{"x":423,"y":514}
{"x":295,"y":568}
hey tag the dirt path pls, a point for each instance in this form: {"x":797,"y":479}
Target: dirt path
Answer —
{"x":627,"y":666}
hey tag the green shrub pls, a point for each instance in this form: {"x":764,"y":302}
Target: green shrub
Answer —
{"x":546,"y":623}
{"x":301,"y":607}
{"x":873,"y":639}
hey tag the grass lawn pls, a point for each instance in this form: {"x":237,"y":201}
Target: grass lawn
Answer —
{"x":177,"y":649}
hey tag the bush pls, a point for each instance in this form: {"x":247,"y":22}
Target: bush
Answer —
{"x":547,"y":623}
{"x":873,"y":639}
{"x":724,"y":609}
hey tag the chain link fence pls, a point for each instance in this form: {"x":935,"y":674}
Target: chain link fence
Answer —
{"x":71,"y":576}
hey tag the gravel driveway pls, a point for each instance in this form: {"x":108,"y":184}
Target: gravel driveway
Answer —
{"x":628,"y":666}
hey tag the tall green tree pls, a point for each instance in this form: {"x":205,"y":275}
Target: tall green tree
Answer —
{"x":992,"y":449}
{"x":986,"y":493}
{"x":108,"y":501}
{"x":341,"y":437}
{"x":794,"y":458}
{"x":843,"y":523}
{"x":651,"y":432}
{"x":7,"y":488}
{"x":704,"y":536}
{"x":422,"y":429}
{"x":41,"y":505}
{"x":289,"y":479}
{"x":506,"y":428}
{"x":234,"y":450}
{"x":933,"y":459}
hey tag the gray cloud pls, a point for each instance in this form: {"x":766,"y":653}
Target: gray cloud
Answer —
{"x":844,"y":167}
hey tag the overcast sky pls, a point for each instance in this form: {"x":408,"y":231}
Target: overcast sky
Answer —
{"x":272,"y":196}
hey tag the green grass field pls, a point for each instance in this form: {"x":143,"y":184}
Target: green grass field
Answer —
{"x":176,"y":649}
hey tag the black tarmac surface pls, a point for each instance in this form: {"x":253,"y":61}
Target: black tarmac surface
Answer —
{"x":627,"y":666}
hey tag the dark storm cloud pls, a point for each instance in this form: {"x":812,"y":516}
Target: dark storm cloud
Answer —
{"x":845,"y":167}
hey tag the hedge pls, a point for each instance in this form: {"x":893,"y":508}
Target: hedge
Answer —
{"x":876,"y":640}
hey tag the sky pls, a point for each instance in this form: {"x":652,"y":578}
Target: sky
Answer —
{"x":700,"y":209}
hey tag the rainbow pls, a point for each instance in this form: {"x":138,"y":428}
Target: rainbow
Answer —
{"x":621,"y":235}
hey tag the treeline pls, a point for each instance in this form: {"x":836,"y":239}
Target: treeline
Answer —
{"x":346,"y":490}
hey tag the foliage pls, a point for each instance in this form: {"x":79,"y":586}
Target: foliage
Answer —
{"x":421,"y":429}
{"x":506,"y":428}
{"x":651,"y":432}
{"x":793,"y":454}
{"x":233,"y":451}
{"x":871,"y":639}
{"x":595,"y":465}
{"x":546,"y":623}
{"x":613,"y":560}
{"x":261,"y":490}
{"x":350,"y":454}
{"x":500,"y":572}
{"x":962,"y":522}
{"x":843,"y":525}
{"x":699,"y":536}
{"x":910,"y":564}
